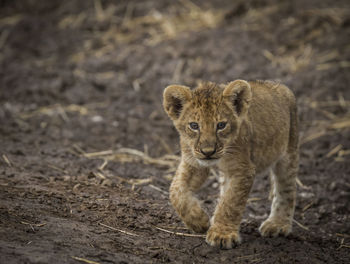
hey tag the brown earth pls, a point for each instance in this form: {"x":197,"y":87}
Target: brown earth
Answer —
{"x":81,"y":77}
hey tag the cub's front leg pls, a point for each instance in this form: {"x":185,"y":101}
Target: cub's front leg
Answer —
{"x":224,"y":229}
{"x":187,"y":180}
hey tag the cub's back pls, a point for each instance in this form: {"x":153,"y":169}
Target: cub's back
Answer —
{"x":270,"y":114}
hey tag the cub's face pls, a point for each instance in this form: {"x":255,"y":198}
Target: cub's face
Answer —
{"x":208,"y":118}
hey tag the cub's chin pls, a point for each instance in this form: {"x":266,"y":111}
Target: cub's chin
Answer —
{"x":207,"y":162}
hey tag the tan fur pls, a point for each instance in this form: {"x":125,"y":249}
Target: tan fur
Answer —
{"x":261,"y":133}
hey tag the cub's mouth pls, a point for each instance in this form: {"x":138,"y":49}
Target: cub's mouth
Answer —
{"x":205,"y":162}
{"x":209,"y":158}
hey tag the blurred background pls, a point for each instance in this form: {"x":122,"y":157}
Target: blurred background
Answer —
{"x":84,"y":137}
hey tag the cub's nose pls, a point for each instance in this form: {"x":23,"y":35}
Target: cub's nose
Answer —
{"x":208,"y":151}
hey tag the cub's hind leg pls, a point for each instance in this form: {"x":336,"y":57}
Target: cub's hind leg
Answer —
{"x":283,"y":197}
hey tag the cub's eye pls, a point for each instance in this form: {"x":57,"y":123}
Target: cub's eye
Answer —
{"x":194,"y":126}
{"x":221,"y":125}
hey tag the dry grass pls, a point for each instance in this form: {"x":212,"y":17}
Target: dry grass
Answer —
{"x":126,"y":155}
{"x":7,"y":161}
{"x":292,"y":61}
{"x":179,"y":233}
{"x":85,"y":260}
{"x":118,"y":230}
{"x":189,"y":17}
{"x":151,"y":28}
{"x":332,"y":124}
{"x":300,"y":225}
{"x":55,"y":110}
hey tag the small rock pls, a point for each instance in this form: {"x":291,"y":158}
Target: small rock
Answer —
{"x":97,"y":119}
{"x":66,"y":178}
{"x":306,"y":194}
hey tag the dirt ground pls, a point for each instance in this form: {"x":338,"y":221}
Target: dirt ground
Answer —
{"x":87,"y":152}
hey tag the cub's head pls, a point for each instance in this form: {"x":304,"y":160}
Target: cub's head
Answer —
{"x":208,"y":118}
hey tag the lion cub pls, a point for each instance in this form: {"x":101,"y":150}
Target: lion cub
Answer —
{"x":244,"y":128}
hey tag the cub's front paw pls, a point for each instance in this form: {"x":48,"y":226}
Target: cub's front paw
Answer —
{"x":223,"y":237}
{"x":274,"y":227}
{"x":198,"y":222}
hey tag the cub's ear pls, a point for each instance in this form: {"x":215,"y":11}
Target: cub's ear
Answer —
{"x":239,"y":93}
{"x":174,"y":98}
